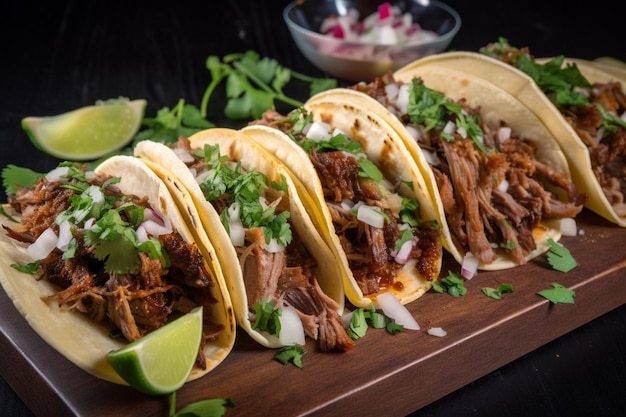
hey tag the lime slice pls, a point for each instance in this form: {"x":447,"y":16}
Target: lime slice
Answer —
{"x":88,"y":132}
{"x":160,"y":362}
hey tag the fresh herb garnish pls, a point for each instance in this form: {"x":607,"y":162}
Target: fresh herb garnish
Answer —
{"x":361,"y":320}
{"x":255,"y":84}
{"x":246,"y":190}
{"x":215,"y":407}
{"x":453,"y":284}
{"x":497,"y":293}
{"x":14,"y":177}
{"x":558,"y":294}
{"x":433,"y":110}
{"x":560,"y":258}
{"x":267,"y":317}
{"x":29,"y":268}
{"x":290,"y":353}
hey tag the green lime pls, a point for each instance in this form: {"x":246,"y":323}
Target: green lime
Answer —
{"x":160,"y":362}
{"x":88,"y":132}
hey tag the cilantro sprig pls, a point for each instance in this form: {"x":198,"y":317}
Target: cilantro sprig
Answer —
{"x":497,"y":293}
{"x":431,"y":109}
{"x":293,"y":354}
{"x":245,"y":190}
{"x":214,"y":407}
{"x":362,"y":319}
{"x":453,"y":284}
{"x":255,"y":84}
{"x":267,"y":317}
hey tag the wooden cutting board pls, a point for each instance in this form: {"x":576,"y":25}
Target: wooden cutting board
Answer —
{"x":383,"y":375}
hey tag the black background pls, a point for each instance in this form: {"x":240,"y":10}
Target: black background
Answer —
{"x":60,"y":55}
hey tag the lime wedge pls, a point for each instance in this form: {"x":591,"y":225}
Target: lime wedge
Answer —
{"x":160,"y":362}
{"x":88,"y":132}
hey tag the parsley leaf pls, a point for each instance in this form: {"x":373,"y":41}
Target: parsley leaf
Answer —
{"x":558,"y":294}
{"x":453,"y":284}
{"x":497,"y":293}
{"x":290,"y":353}
{"x":560,"y":258}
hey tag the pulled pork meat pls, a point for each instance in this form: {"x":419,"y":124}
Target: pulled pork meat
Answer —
{"x":285,"y":276}
{"x":132,"y":303}
{"x":607,"y":147}
{"x":369,"y":250}
{"x":491,"y":199}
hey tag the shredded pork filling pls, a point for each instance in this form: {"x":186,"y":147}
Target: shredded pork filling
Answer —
{"x":286,"y":277}
{"x":482,"y":214}
{"x":135,"y":304}
{"x":370,"y":250}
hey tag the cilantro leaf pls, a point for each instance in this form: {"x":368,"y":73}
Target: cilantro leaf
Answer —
{"x":497,"y":293}
{"x":267,"y":317}
{"x":29,"y":268}
{"x":14,"y":177}
{"x":369,"y":170}
{"x":290,"y":353}
{"x":560,"y":258}
{"x":558,"y":294}
{"x":453,"y":284}
{"x":215,"y":407}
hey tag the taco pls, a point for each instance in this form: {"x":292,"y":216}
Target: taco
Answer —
{"x":502,"y":182}
{"x":112,"y":260}
{"x":276,"y":265}
{"x":580,"y":103}
{"x":374,"y":207}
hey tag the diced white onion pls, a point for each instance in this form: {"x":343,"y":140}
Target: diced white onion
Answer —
{"x":504,"y":133}
{"x":346,"y":319}
{"x":462,"y":132}
{"x":403,"y":99}
{"x":337,"y":132}
{"x":503,"y":186}
{"x":568,"y":227}
{"x":65,"y":235}
{"x":44,"y":244}
{"x":274,"y":246}
{"x":318,"y":131}
{"x":415,"y":134}
{"x":291,"y":329}
{"x":203,"y":175}
{"x":370,"y":215}
{"x":469,"y":266}
{"x":142,"y":235}
{"x":394,"y":309}
{"x":431,"y":157}
{"x":449,"y":128}
{"x":90,"y":175}
{"x":96,"y":194}
{"x":437,"y":331}
{"x":89,"y":223}
{"x":155,"y":224}
{"x":58,"y":174}
{"x":391,"y":91}
{"x":347,"y":204}
{"x":404,"y":253}
{"x":183,"y":154}
{"x":237,"y":232}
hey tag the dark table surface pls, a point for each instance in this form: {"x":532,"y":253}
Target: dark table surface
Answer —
{"x":57,"y":56}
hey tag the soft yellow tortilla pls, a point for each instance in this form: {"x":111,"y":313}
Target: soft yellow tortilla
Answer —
{"x":238,"y":147}
{"x":388,"y":154}
{"x":74,"y":335}
{"x":523,"y":88}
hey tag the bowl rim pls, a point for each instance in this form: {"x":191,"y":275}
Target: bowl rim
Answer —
{"x":439,"y":39}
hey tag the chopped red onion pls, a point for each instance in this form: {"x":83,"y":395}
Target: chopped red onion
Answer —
{"x":469,"y":266}
{"x":404,"y":253}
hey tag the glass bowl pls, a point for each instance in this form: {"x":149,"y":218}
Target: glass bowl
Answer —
{"x":362,"y":61}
